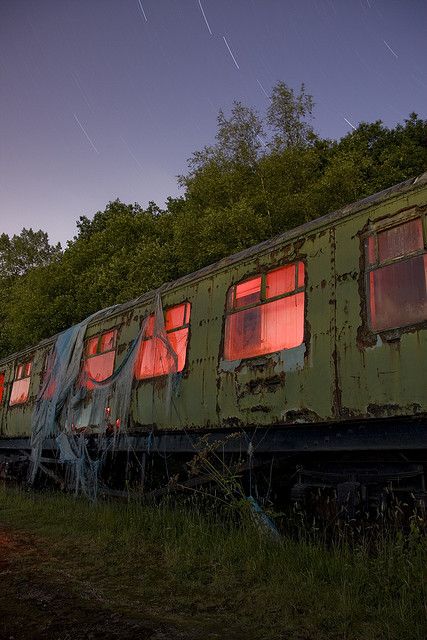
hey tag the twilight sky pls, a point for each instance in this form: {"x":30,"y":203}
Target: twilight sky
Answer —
{"x":102,"y":99}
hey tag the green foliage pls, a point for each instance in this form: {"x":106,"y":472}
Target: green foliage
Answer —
{"x":26,"y":258}
{"x":261,"y":177}
{"x":216,"y":232}
{"x":21,"y":253}
{"x":287,"y":116}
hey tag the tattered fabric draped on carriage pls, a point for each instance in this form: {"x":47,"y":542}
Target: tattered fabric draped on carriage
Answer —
{"x":72,"y":404}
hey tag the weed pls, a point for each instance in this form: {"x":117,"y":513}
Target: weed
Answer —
{"x":193,"y":564}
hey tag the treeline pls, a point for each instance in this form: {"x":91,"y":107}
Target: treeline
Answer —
{"x":262,"y":176}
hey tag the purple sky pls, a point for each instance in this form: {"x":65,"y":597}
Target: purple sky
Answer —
{"x":102,"y":99}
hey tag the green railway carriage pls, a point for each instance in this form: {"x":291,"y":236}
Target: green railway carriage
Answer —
{"x":313,"y":343}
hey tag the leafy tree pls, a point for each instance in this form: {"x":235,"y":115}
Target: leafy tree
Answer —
{"x":288,"y":116}
{"x":240,"y":137}
{"x":21,"y":253}
{"x":199,"y":241}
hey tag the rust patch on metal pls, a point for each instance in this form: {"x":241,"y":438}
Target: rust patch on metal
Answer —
{"x":301,"y":416}
{"x":260,"y":408}
{"x":384,"y":410}
{"x":271,"y":384}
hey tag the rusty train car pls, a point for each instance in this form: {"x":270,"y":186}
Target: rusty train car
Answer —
{"x":310,"y":347}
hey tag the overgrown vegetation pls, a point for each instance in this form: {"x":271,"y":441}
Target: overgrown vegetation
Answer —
{"x":262,"y":176}
{"x":198,"y":571}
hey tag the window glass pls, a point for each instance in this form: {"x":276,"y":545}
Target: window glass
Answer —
{"x":99,"y":367}
{"x":20,"y":391}
{"x":175,"y":317}
{"x":243,"y":334}
{"x":397,"y":291}
{"x":264,"y":329}
{"x":48,"y":383}
{"x":280,"y":281}
{"x":370,"y":250}
{"x":156,"y":358}
{"x":2,"y":377}
{"x":21,"y":383}
{"x":100,"y":357}
{"x":149,"y":327}
{"x":108,"y":341}
{"x":92,"y":346}
{"x":401,"y":240}
{"x":266,"y":326}
{"x":301,"y":274}
{"x":248,"y":292}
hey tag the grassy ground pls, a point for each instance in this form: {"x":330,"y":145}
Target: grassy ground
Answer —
{"x":207,"y":579}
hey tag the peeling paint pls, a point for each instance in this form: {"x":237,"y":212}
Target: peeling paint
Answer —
{"x":229,"y":365}
{"x":292,"y":359}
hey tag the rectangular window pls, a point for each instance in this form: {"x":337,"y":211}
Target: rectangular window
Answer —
{"x":155,"y":357}
{"x":266,"y":313}
{"x":2,"y":378}
{"x":47,"y":382}
{"x":397,"y":276}
{"x":99,"y":357}
{"x":21,"y":383}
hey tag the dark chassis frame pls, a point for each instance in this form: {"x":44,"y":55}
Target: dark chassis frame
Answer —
{"x":372,"y":453}
{"x":388,"y":434}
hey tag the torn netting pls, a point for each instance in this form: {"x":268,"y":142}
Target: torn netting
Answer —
{"x":53,"y":399}
{"x":63,"y":370}
{"x":66,"y":407}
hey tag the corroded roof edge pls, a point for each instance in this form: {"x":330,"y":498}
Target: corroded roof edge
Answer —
{"x":258,"y":249}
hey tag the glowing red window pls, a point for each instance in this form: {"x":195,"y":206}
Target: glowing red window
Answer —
{"x":100,"y":356}
{"x":160,"y":354}
{"x":280,"y":281}
{"x":248,"y":292}
{"x":107,"y":341}
{"x":2,"y":378}
{"x":48,"y":383}
{"x":21,"y":384}
{"x":274,"y":318}
{"x":397,"y":276}
{"x":92,"y":346}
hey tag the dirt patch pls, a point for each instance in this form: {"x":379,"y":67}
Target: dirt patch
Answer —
{"x":33,"y":607}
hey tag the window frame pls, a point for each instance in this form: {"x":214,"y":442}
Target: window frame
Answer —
{"x":99,"y":336}
{"x":89,"y":356}
{"x":22,"y":371}
{"x":2,"y":387}
{"x":263,"y":300}
{"x":185,"y":325}
{"x":373,"y":232}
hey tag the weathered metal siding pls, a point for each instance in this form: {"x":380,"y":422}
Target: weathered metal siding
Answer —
{"x":341,"y":371}
{"x":16,"y":420}
{"x":378,"y":377}
{"x":284,"y":386}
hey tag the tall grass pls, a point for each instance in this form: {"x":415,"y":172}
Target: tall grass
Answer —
{"x":194,"y":568}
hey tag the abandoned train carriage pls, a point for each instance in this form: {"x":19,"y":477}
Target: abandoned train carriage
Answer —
{"x":312,"y":345}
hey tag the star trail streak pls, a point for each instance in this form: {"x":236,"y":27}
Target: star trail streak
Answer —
{"x":85,"y":133}
{"x":230,"y":52}
{"x":262,"y":89}
{"x":205,"y":18}
{"x":142,"y":10}
{"x":390,"y":49}
{"x":349,"y":123}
